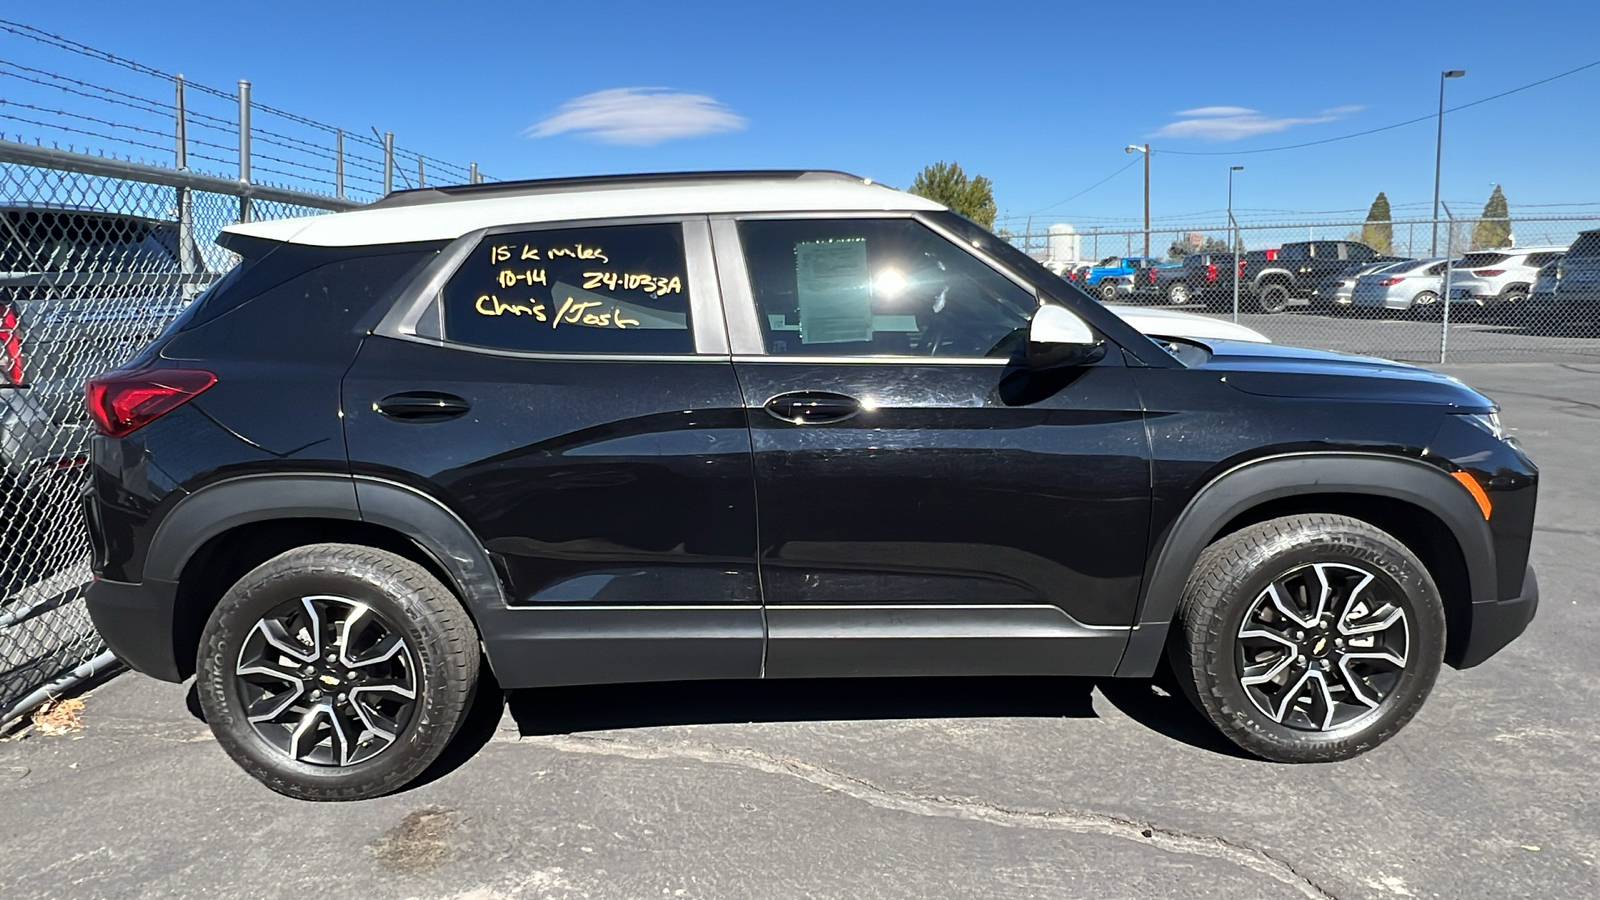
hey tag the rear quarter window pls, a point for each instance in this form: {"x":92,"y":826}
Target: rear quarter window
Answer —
{"x":608,"y":289}
{"x":1586,"y":246}
{"x":1479,"y":260}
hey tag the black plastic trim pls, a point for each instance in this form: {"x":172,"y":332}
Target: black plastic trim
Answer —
{"x":136,"y":622}
{"x":1496,"y":623}
{"x":226,"y":505}
{"x":1259,"y":481}
{"x":877,"y":641}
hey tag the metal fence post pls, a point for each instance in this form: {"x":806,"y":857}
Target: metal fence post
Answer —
{"x":244,"y":146}
{"x":472,"y":174}
{"x":388,"y":163}
{"x":1449,"y":252}
{"x":422,"y":173}
{"x":338,"y":164}
{"x":188,"y":265}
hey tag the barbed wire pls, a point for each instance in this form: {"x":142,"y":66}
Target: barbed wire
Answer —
{"x":41,"y":36}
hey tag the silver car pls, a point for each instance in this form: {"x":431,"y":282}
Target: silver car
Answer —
{"x":1346,"y":285}
{"x":1415,"y":285}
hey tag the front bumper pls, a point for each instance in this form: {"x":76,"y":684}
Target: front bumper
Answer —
{"x":1496,"y":623}
{"x":137,"y":622}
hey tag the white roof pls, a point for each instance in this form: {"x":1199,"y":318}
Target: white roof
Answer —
{"x":447,"y":219}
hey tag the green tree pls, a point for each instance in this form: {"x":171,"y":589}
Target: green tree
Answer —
{"x":1378,"y":232}
{"x":945,"y":183}
{"x":1494,"y":229}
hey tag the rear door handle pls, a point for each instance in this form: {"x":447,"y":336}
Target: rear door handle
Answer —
{"x":812,"y":407}
{"x":422,"y":406}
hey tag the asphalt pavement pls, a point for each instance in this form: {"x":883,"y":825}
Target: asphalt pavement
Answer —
{"x":991,"y":788}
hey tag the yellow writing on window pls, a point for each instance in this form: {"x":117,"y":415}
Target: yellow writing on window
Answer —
{"x":499,"y":253}
{"x":579,"y":251}
{"x":633,"y":281}
{"x":490,"y":305}
{"x":587,"y":313}
{"x":510,"y":278}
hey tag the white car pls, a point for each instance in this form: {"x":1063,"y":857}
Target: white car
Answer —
{"x":1170,"y":323}
{"x":1498,"y":277}
{"x":1404,"y":286}
{"x":1346,"y":285}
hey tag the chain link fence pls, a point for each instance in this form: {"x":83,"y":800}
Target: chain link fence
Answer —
{"x":96,"y":257}
{"x":1420,"y":290}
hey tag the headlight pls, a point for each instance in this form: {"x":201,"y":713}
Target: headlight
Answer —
{"x":1489,"y":421}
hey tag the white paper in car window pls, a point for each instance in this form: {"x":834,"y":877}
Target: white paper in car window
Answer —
{"x":835,"y":291}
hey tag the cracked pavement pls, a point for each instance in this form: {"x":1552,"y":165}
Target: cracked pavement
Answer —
{"x":885,"y":788}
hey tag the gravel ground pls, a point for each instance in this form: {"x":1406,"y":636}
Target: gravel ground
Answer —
{"x":930,"y":788}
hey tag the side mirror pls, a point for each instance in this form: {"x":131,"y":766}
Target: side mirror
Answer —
{"x":1057,"y":339}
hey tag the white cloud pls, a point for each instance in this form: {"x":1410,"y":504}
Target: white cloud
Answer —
{"x":638,"y":115}
{"x":1231,"y":123}
{"x":1216,"y":111}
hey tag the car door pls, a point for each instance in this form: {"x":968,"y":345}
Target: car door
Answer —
{"x":567,"y":392}
{"x":924,"y":505}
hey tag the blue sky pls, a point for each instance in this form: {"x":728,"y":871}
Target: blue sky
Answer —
{"x":1040,"y":97}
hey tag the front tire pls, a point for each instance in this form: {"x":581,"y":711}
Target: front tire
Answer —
{"x":336,"y":672}
{"x":1108,"y":292}
{"x":1309,"y":638}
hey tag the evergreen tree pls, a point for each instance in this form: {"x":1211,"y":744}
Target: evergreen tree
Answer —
{"x":1378,"y":232}
{"x":945,"y":183}
{"x":1493,"y":231}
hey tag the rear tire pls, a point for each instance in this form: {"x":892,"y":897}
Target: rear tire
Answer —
{"x":1178,"y":294}
{"x":1108,"y":292}
{"x":336,"y":672}
{"x":1272,"y":298}
{"x":1293,"y":677}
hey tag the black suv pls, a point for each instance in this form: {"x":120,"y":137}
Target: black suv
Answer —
{"x":762,"y":425}
{"x":1575,"y":302}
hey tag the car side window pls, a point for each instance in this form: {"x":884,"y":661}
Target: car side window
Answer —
{"x":608,"y":289}
{"x":877,"y":287}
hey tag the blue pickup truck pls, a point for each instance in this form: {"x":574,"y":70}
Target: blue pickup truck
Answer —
{"x":1115,"y":276}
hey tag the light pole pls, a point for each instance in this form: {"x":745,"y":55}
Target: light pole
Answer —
{"x":1237,"y":259}
{"x":1438,"y":158}
{"x":1145,"y":149}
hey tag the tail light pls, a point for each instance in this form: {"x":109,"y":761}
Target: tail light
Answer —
{"x":1390,"y":282}
{"x":10,"y":346}
{"x":1273,"y":253}
{"x":1241,"y":267}
{"x":1152,"y":276}
{"x":1211,"y":272}
{"x":1488,"y":273}
{"x":124,"y":400}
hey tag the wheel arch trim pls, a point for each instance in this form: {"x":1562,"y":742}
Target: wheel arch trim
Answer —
{"x":422,"y":519}
{"x":1253,"y":483}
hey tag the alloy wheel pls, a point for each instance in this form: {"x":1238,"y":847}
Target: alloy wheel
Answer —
{"x":1322,"y":647}
{"x":327,"y":680}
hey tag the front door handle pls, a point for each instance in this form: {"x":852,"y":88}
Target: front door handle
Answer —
{"x":812,"y":407}
{"x":422,"y":406}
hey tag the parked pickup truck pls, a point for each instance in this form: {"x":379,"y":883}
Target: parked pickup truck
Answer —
{"x":1200,"y":277}
{"x":1305,"y":270}
{"x":1112,"y":268}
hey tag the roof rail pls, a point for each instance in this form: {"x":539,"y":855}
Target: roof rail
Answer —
{"x":442,"y":194}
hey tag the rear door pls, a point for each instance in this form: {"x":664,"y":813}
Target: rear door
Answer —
{"x":567,"y":392}
{"x":925,"y":507}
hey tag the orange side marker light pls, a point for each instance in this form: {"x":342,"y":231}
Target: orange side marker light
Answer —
{"x":1475,"y":489}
